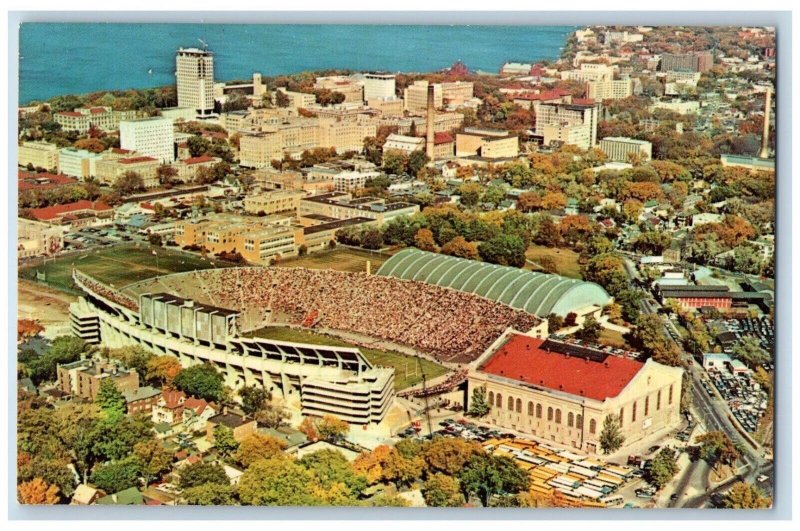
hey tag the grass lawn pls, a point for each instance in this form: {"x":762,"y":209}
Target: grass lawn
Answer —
{"x":565,"y":260}
{"x":351,"y":260}
{"x":612,"y":338}
{"x":119,"y":265}
{"x":406,"y":368}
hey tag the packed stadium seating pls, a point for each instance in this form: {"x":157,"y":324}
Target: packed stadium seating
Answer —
{"x":449,"y":325}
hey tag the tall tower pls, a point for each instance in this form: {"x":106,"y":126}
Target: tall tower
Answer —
{"x":764,"y":153}
{"x":429,"y":125}
{"x":194,"y":72}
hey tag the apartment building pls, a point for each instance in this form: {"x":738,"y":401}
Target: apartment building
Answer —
{"x":109,"y":169}
{"x":347,"y":181}
{"x":691,"y":62}
{"x":569,"y":114}
{"x":84,"y":377}
{"x":346,"y":135}
{"x":457,"y":92}
{"x":589,"y":72}
{"x":153,"y":137}
{"x":392,"y":106}
{"x":577,"y":135}
{"x":194,"y":73}
{"x":273,"y":201}
{"x":38,"y":154}
{"x":188,"y":168}
{"x":79,"y":163}
{"x":619,"y":149}
{"x":611,"y":89}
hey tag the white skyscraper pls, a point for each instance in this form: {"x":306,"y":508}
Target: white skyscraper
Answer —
{"x":153,"y":137}
{"x":194,"y":71}
{"x":378,"y":86}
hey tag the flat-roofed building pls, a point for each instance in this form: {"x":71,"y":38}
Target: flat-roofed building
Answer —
{"x":37,"y":238}
{"x":273,"y":201}
{"x":339,"y":205}
{"x":611,"y":89}
{"x":108,"y":170}
{"x":570,"y":114}
{"x":577,"y":135}
{"x":298,"y":99}
{"x":589,"y":72}
{"x":83,"y":213}
{"x":405,"y":144}
{"x":347,"y":181}
{"x":154,"y":137}
{"x":486,"y":143}
{"x":387,"y":106}
{"x":258,"y":150}
{"x":562,"y":393}
{"x":378,"y":85}
{"x":38,"y":154}
{"x":83,"y":119}
{"x":346,"y":135}
{"x":456,"y":93}
{"x":415,"y":96}
{"x":258,"y":242}
{"x":319,"y":235}
{"x":620,"y":149}
{"x":83,"y":378}
{"x":194,"y":73}
{"x":259,"y":246}
{"x":345,"y":85}
{"x":79,"y":163}
{"x":188,"y":168}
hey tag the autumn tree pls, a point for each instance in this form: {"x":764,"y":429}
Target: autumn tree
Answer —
{"x":257,"y":446}
{"x":277,"y":481}
{"x":423,"y":240}
{"x":448,"y":455}
{"x":335,"y":473}
{"x":461,"y":248}
{"x":210,"y":494}
{"x":590,"y":331}
{"x":162,"y":370}
{"x":441,"y":490}
{"x":38,"y":492}
{"x":133,"y":357}
{"x":128,"y":183}
{"x":90,"y":144}
{"x":332,"y":428}
{"x":308,"y":427}
{"x":153,"y":458}
{"x":745,"y":496}
{"x":716,"y":447}
{"x":649,"y":336}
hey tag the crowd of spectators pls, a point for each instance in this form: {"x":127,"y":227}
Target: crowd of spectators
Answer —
{"x":449,"y":325}
{"x":106,"y":292}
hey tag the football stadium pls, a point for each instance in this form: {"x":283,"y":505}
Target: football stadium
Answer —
{"x":539,"y":294}
{"x":204,"y":317}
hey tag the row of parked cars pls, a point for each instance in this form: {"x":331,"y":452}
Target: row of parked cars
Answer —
{"x":457,"y":428}
{"x":746,"y":402}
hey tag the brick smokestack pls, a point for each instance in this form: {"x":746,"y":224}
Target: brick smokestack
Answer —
{"x":765,"y":135}
{"x":429,"y":129}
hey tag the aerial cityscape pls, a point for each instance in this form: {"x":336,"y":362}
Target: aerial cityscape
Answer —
{"x":533,"y":272}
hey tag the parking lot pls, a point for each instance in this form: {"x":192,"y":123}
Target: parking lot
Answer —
{"x":761,"y":328}
{"x":746,"y":401}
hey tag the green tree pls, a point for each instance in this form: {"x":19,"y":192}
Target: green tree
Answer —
{"x":503,"y":250}
{"x":202,"y":473}
{"x":716,"y":447}
{"x":590,"y":331}
{"x":478,"y":405}
{"x":153,"y":458}
{"x":554,"y":323}
{"x":611,"y":437}
{"x":394,"y":161}
{"x":63,"y":349}
{"x":117,"y":475}
{"x":198,"y":145}
{"x":277,"y":481}
{"x":649,"y":336}
{"x":663,"y":468}
{"x":223,"y":440}
{"x":442,"y":491}
{"x":332,"y":468}
{"x":749,"y":352}
{"x":488,"y":475}
{"x":133,"y":357}
{"x":128,"y":183}
{"x":470,"y":193}
{"x":109,"y":398}
{"x":416,"y":161}
{"x":202,"y":381}
{"x":213,"y":494}
{"x":254,"y":398}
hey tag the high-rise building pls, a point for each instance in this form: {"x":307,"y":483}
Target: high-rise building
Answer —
{"x":153,"y":137}
{"x":377,"y":85}
{"x":691,"y":62}
{"x":194,"y":71}
{"x":618,"y":148}
{"x":568,"y":115}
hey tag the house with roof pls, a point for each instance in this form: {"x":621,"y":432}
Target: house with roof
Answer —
{"x":241,"y":426}
{"x":130,"y":496}
{"x":562,"y":392}
{"x":84,"y":495}
{"x":141,"y":399}
{"x":176,"y":408}
{"x":83,"y":213}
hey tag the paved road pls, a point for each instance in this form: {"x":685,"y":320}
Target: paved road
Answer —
{"x":713,"y":415}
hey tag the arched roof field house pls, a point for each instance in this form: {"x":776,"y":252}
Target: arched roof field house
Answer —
{"x":537,"y":293}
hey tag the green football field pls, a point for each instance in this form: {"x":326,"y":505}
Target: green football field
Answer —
{"x":407,"y":371}
{"x":119,"y":265}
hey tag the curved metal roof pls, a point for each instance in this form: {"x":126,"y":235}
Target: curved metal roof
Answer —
{"x":537,"y":293}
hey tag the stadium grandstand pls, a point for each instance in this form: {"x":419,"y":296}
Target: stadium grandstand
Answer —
{"x":539,"y":294}
{"x":448,"y":325}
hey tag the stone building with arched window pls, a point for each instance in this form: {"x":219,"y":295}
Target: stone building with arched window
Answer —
{"x":561,"y":393}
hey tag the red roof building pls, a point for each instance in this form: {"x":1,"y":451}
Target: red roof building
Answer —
{"x":521,"y":358}
{"x":562,"y":392}
{"x":78,"y":210}
{"x":28,"y":180}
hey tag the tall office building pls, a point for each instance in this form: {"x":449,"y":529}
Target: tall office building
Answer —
{"x":194,"y":71}
{"x":687,"y":62}
{"x":377,"y":85}
{"x":583,"y":117}
{"x":153,"y":137}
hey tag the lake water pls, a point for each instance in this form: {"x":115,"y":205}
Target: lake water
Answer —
{"x":74,"y":58}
